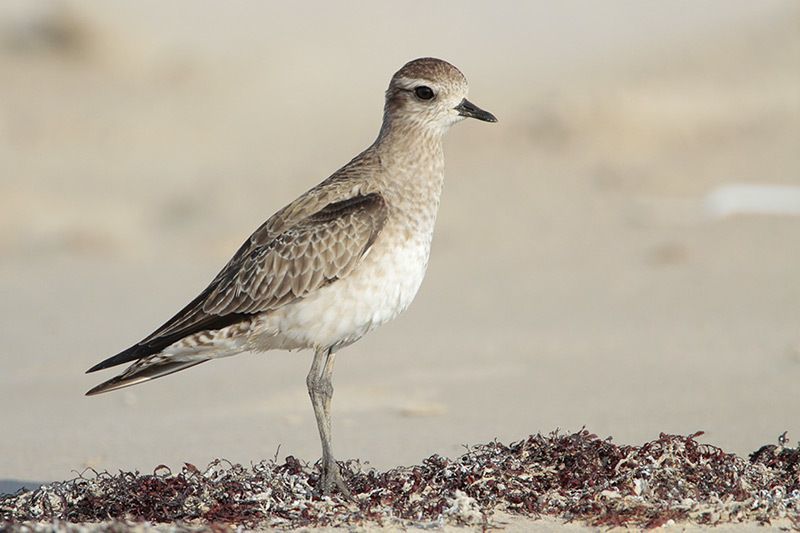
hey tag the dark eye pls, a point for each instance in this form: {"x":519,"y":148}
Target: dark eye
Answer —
{"x":423,"y":92}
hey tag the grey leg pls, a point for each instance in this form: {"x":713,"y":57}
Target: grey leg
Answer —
{"x":320,"y":389}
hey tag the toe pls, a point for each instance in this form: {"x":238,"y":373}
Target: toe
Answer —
{"x":332,"y":477}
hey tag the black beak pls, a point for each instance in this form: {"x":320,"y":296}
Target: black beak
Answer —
{"x":468,"y":109}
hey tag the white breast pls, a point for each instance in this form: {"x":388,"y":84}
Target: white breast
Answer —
{"x":381,"y":288}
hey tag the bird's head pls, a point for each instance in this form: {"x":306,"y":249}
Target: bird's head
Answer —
{"x":431,"y":94}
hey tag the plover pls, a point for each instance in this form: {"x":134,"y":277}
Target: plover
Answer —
{"x":342,"y":259}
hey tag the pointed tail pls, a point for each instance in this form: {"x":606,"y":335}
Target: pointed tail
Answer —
{"x":143,"y":370}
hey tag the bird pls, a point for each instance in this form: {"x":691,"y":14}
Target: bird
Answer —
{"x":340,"y":260}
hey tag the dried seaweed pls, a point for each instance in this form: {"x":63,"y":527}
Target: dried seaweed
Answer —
{"x":574,"y":476}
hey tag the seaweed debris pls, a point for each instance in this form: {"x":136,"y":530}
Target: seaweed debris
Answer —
{"x":575,"y":476}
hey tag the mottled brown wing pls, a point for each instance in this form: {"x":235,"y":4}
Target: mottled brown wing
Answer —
{"x":310,"y":253}
{"x":322,"y":248}
{"x":318,"y":238}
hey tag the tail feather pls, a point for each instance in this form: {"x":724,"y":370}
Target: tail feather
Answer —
{"x":145,"y":370}
{"x":151,"y":346}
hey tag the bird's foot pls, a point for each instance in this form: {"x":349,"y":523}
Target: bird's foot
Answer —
{"x":332,"y":478}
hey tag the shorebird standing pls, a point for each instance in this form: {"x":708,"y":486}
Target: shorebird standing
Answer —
{"x":342,"y":259}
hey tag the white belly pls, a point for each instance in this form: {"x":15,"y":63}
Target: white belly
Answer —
{"x":382,"y":287}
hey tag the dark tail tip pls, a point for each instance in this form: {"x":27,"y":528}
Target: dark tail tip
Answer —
{"x":117,"y":382}
{"x":99,"y":389}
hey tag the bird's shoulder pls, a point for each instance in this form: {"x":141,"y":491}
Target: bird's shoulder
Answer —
{"x":352,"y":186}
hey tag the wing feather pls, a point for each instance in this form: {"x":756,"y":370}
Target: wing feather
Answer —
{"x":315,"y":240}
{"x":322,"y":248}
{"x":267,"y":274}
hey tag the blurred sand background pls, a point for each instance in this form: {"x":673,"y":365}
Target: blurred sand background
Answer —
{"x":577,"y":276}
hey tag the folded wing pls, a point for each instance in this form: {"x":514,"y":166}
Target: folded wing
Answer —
{"x":266,"y":274}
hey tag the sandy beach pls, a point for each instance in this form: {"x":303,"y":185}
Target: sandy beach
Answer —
{"x":580,"y":275}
